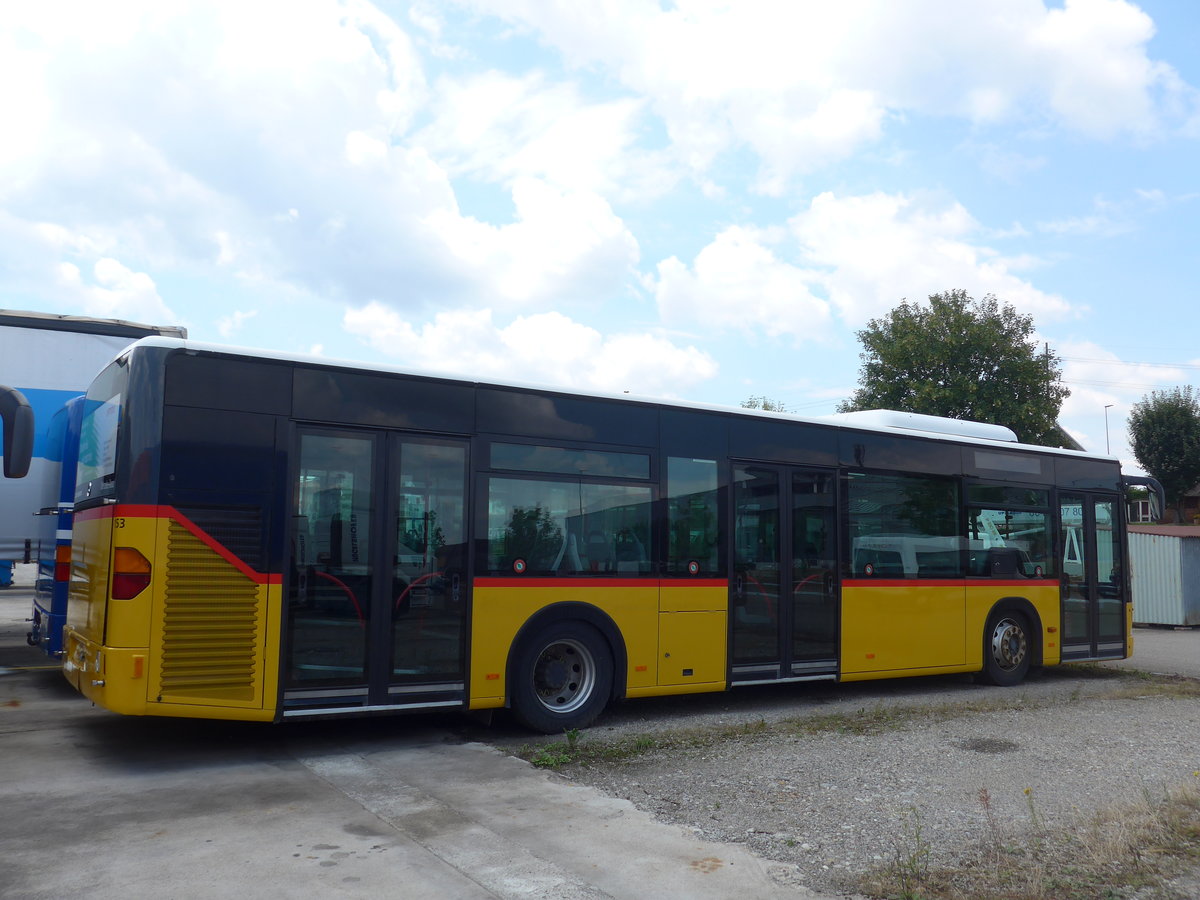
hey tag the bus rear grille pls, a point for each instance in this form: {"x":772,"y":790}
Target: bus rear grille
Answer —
{"x":210,"y":624}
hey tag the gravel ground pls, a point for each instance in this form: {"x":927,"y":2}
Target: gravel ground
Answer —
{"x":835,"y":804}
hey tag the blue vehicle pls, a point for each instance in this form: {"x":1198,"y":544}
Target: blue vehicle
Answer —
{"x":54,"y":531}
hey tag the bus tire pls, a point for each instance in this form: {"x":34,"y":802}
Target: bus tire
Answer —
{"x":1007,"y":653}
{"x":563,"y":677}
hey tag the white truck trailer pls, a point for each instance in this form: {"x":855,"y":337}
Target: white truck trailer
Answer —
{"x":50,"y":359}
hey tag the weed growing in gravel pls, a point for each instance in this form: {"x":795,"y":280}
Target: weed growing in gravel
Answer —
{"x":1117,"y":851}
{"x":911,"y":857}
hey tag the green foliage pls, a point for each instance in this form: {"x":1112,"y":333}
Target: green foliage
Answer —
{"x":964,"y":359}
{"x":1164,"y":430}
{"x":764,"y":402}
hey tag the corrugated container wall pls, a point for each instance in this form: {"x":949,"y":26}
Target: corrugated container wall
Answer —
{"x":1165,"y":575}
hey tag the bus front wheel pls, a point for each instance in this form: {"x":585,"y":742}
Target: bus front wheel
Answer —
{"x":1006,"y":650}
{"x":563,"y":677}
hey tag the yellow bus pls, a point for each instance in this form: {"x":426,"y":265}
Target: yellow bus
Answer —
{"x":266,"y":537}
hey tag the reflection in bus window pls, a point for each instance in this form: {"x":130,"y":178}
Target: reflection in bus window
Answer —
{"x":1007,"y":543}
{"x":903,"y":526}
{"x":332,"y":582}
{"x":692,"y":517}
{"x":568,"y":528}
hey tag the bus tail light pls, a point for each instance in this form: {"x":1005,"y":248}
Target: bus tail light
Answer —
{"x":62,"y":563}
{"x":131,"y":573}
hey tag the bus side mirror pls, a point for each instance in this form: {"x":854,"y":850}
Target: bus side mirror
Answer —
{"x":1154,"y":492}
{"x":17,"y":416}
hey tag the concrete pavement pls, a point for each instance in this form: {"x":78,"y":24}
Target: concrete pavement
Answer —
{"x":1164,"y":651}
{"x":105,"y":806}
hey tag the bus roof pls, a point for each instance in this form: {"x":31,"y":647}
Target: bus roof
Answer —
{"x":879,"y":421}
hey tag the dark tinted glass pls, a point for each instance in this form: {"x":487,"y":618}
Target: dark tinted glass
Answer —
{"x":795,"y":442}
{"x":1071,"y":472}
{"x":885,"y":451}
{"x":531,"y":458}
{"x":569,"y":418}
{"x":1006,"y":465}
{"x":393,"y":401}
{"x":688,"y":433}
{"x":216,"y":382}
{"x":217,"y":450}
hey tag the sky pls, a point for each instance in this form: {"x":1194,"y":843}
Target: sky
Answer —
{"x":689,"y":199}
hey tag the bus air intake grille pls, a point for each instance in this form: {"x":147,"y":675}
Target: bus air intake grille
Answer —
{"x":210,"y":624}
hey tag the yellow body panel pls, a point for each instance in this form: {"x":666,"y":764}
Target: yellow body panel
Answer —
{"x":924,"y":629}
{"x":894,"y":628}
{"x":692,"y":649}
{"x":91,"y":562}
{"x":692,"y":631}
{"x":692,"y":598}
{"x":202,"y":640}
{"x":127,"y":622}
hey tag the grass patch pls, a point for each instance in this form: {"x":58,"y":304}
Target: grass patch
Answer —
{"x":1116,"y":852}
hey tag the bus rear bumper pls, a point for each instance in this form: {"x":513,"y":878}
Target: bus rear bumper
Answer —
{"x":112,"y":677}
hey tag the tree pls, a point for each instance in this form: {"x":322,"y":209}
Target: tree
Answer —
{"x":764,"y":402}
{"x":1164,"y":429}
{"x":964,"y":359}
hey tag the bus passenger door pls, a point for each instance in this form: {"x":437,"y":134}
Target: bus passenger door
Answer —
{"x":333,"y":550}
{"x":1093,"y":580}
{"x":377,"y":596}
{"x":783,"y":587}
{"x":427,"y":603}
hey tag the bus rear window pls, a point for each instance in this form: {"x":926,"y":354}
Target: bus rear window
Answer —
{"x":98,"y":432}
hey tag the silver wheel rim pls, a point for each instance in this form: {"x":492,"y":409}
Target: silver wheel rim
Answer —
{"x":1009,"y":644}
{"x":564,"y":676}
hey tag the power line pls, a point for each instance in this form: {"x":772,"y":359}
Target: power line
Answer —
{"x":1121,"y":362}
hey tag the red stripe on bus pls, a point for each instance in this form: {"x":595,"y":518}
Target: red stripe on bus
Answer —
{"x":567,"y":581}
{"x":948,"y":582}
{"x":148,"y":511}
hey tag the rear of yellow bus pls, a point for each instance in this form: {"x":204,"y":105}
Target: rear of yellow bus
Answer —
{"x":161,"y":620}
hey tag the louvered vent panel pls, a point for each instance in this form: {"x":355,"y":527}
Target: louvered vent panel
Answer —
{"x":210,"y":624}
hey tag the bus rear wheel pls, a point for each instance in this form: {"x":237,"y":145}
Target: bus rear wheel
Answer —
{"x":563,"y":677}
{"x":1006,"y":650}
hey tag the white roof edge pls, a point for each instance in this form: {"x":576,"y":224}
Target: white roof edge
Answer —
{"x":837,"y":420}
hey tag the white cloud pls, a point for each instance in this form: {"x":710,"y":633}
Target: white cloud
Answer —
{"x":806,"y":83}
{"x":545,"y":348}
{"x":1100,"y":80}
{"x":564,"y":245}
{"x":877,"y":249}
{"x":117,"y":293}
{"x":231,"y":324}
{"x":858,"y":256}
{"x":500,"y":127}
{"x":737,"y":283}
